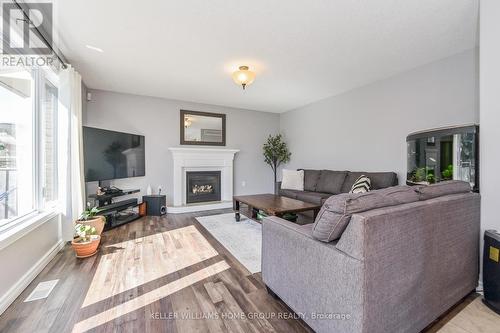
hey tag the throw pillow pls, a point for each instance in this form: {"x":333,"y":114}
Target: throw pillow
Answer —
{"x":361,"y":185}
{"x":292,"y":180}
{"x":442,"y":188}
{"x":336,"y":212}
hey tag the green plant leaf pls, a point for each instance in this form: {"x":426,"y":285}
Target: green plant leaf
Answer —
{"x":275,"y":151}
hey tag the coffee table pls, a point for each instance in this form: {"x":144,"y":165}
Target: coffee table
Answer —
{"x":271,"y":204}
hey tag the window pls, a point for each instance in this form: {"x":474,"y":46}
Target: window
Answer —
{"x":28,"y":143}
{"x":48,"y":142}
{"x":16,"y":144}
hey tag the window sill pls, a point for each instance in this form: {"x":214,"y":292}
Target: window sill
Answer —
{"x":10,"y":235}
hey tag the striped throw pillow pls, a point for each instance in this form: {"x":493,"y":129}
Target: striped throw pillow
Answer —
{"x":361,"y":185}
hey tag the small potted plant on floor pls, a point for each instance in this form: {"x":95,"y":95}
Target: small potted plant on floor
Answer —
{"x":86,"y":240}
{"x":90,"y":217}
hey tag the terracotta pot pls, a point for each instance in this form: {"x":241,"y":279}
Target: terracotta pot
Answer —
{"x":86,"y":249}
{"x":97,"y":222}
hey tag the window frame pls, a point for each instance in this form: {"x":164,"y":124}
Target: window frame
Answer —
{"x":40,"y":77}
{"x":46,"y":77}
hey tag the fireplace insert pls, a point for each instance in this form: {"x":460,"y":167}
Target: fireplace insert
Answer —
{"x":202,"y":186}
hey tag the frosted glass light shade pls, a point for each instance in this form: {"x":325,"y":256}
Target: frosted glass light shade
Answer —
{"x":243,"y":76}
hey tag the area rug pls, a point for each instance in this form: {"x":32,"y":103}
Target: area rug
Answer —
{"x":243,"y":239}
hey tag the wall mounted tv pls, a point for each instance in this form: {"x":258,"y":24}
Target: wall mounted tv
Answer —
{"x":112,"y":155}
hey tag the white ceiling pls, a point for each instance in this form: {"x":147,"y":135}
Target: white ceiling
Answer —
{"x":302,"y":50}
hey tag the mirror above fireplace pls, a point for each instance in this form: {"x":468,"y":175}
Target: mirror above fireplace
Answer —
{"x":202,"y":128}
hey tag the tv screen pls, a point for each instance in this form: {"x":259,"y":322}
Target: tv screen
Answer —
{"x":111,"y":155}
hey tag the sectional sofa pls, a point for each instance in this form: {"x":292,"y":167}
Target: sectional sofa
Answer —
{"x":390,"y":260}
{"x":319,"y":185}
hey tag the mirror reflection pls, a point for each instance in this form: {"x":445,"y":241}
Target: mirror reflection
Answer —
{"x":202,"y":128}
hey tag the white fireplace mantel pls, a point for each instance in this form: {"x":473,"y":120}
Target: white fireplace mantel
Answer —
{"x":201,"y":159}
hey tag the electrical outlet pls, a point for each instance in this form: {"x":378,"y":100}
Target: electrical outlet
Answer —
{"x":244,"y":183}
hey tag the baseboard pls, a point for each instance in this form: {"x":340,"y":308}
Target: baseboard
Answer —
{"x":479,"y":288}
{"x":10,"y":296}
{"x":199,"y":207}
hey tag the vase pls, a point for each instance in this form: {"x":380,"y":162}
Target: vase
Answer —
{"x":86,"y":249}
{"x":97,"y":222}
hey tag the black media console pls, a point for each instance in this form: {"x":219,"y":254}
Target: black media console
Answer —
{"x":119,"y":212}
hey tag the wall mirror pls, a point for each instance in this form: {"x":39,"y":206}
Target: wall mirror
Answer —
{"x":203,"y":128}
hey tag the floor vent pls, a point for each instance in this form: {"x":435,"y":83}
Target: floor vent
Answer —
{"x":42,"y":290}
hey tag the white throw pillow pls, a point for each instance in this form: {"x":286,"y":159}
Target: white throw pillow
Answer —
{"x":293,"y":180}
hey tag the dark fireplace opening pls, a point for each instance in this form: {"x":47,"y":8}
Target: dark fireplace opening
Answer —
{"x":202,"y":186}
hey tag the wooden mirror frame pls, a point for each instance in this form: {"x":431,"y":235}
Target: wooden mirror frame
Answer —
{"x":205,"y":114}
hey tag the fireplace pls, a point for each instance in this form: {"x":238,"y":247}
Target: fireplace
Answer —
{"x":203,"y":186}
{"x":201,"y":159}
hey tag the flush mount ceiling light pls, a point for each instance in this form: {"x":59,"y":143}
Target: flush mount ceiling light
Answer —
{"x":243,"y":76}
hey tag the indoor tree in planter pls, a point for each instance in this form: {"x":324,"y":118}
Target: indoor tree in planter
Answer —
{"x":86,"y":240}
{"x":275,"y":153}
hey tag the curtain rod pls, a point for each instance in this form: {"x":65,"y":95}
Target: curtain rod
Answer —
{"x":39,"y":33}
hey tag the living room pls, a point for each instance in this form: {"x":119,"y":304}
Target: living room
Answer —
{"x":245,"y":167}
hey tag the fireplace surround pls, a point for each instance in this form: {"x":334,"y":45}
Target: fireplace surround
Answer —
{"x":201,"y":160}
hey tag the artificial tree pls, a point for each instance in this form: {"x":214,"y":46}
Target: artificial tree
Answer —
{"x":275,"y":153}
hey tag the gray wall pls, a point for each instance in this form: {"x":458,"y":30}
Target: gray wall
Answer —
{"x":26,"y":257}
{"x":365,"y":129}
{"x":158,"y":120}
{"x":490,"y":114}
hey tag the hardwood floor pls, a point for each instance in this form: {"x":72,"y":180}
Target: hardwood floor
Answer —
{"x":161,"y":275}
{"x":154,"y":275}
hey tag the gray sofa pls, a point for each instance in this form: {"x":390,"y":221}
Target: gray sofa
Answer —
{"x":395,"y":268}
{"x":319,"y":185}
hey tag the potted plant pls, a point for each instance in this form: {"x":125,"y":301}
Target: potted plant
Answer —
{"x":275,"y":153}
{"x":90,"y":217}
{"x":86,"y":240}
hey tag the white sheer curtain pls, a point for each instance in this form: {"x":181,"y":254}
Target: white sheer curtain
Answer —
{"x":71,"y":149}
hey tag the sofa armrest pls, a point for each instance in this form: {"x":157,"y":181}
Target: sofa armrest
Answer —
{"x":305,"y":230}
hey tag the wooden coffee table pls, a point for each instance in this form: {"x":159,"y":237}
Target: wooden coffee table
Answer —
{"x":274,"y":205}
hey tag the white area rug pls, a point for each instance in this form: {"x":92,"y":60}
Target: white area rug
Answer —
{"x":243,"y":239}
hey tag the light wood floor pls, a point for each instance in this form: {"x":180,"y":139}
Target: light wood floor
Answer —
{"x":475,"y":317}
{"x":170,"y":275}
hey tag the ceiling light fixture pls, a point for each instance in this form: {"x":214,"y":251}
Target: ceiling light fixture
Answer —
{"x":243,"y":76}
{"x":94,"y":48}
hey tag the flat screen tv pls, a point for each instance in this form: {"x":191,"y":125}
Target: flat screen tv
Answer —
{"x":112,"y":155}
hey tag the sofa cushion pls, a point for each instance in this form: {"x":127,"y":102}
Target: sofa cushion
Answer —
{"x":311,"y":178}
{"x":292,"y":180}
{"x":313,"y":197}
{"x":336,"y":212}
{"x":331,"y":181}
{"x":378,"y":180}
{"x":290,"y":193}
{"x":442,"y":188}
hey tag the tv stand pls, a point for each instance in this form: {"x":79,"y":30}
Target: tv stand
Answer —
{"x":107,"y":198}
{"x":117,"y":212}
